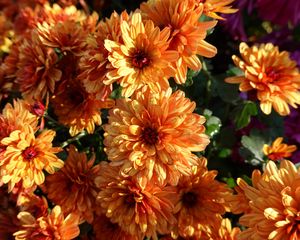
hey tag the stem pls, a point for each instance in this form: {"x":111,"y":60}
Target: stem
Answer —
{"x":51,"y":119}
{"x":74,"y":139}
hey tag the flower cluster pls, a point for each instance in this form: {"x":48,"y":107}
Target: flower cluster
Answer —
{"x":120,"y":125}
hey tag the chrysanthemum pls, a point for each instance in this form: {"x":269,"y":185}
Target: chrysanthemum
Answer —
{"x":271,"y":74}
{"x":104,"y":229}
{"x":53,"y":226}
{"x":201,"y":201}
{"x":94,"y":64}
{"x":213,"y":7}
{"x":187,"y":33}
{"x":54,"y":14}
{"x":152,"y":135}
{"x":274,"y":202}
{"x":78,"y":109}
{"x":281,"y":12}
{"x":226,"y":231}
{"x":140,"y":211}
{"x":66,"y":36}
{"x":15,"y":117}
{"x":18,"y":115}
{"x":73,"y":187}
{"x":26,"y":156}
{"x":278,"y":150}
{"x":143,"y":58}
{"x":37,"y":73}
{"x":5,"y":85}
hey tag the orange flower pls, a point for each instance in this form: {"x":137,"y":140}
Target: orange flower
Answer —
{"x":37,"y":73}
{"x":94,"y":64}
{"x":274,"y":201}
{"x":73,"y":187}
{"x":239,"y":203}
{"x":278,"y":150}
{"x":140,"y":211}
{"x":152,"y":135}
{"x":76,"y":108}
{"x":5,"y":84}
{"x":143,"y":58}
{"x":15,"y":117}
{"x":53,"y":226}
{"x":201,"y":202}
{"x":18,"y":115}
{"x":226,"y":232}
{"x":212,"y":7}
{"x":271,"y":74}
{"x":66,"y":36}
{"x":26,"y":156}
{"x":104,"y":229}
{"x":187,"y":33}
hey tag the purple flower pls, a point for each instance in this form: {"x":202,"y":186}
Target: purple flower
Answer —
{"x":234,"y":23}
{"x":292,"y":131}
{"x":291,"y":126}
{"x":279,"y":11}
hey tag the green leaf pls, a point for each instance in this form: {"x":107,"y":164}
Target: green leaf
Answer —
{"x":234,"y":71}
{"x":116,"y":93}
{"x":230,"y":182}
{"x":252,"y":147}
{"x":224,"y":153}
{"x":243,"y":113}
{"x":213,"y":123}
{"x":227,"y":92}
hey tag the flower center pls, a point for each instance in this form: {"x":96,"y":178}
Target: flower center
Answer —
{"x":29,"y":153}
{"x":294,"y":229}
{"x":140,"y":60}
{"x":150,"y":135}
{"x":38,"y":109}
{"x":189,"y":199}
{"x":272,"y":74}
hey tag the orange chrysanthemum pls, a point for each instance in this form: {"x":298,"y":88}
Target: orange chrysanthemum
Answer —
{"x":274,"y":200}
{"x":142,"y":59}
{"x":152,"y":135}
{"x":187,"y":33}
{"x":140,"y":211}
{"x":53,"y":226}
{"x":66,"y":36}
{"x":73,"y":187}
{"x":15,"y":117}
{"x":78,"y":109}
{"x":6,"y":33}
{"x":238,"y":202}
{"x":201,"y":201}
{"x":271,"y":74}
{"x":5,"y":84}
{"x":26,"y":156}
{"x":213,"y":7}
{"x":94,"y":63}
{"x":226,"y":232}
{"x":104,"y":229}
{"x":37,"y":73}
{"x":278,"y":150}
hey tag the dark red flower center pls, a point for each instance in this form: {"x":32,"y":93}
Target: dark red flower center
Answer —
{"x":130,"y":200}
{"x":189,"y":199}
{"x":140,"y":60}
{"x":29,"y":153}
{"x":272,"y":74}
{"x":150,"y":135}
{"x":293,"y":230}
{"x":38,"y":109}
